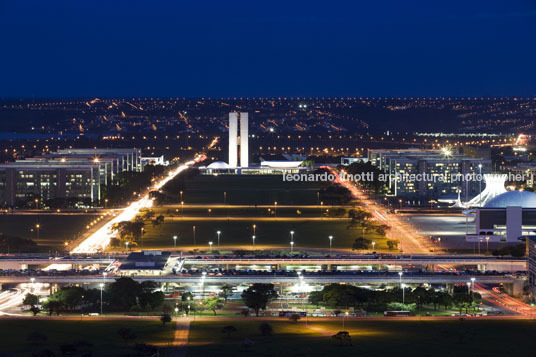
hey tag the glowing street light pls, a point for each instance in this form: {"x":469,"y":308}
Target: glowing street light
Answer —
{"x":101,"y":287}
{"x":218,"y":233}
{"x":175,"y":241}
{"x":253,"y":239}
{"x":126,"y":245}
{"x":330,"y":241}
{"x":373,"y":244}
{"x":402,"y":287}
{"x":292,"y":236}
{"x":254,"y":229}
{"x":210,"y":246}
{"x":291,"y":247}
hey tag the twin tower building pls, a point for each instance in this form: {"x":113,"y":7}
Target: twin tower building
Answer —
{"x":234,"y":139}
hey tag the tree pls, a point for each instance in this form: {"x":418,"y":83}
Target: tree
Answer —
{"x":31,"y":299}
{"x":462,"y":301}
{"x":225,"y":292}
{"x":360,"y":243}
{"x":158,"y":220}
{"x":213,"y":304}
{"x":266,"y":329}
{"x":294,"y":317}
{"x":129,"y":231}
{"x":343,"y":337}
{"x":35,"y":310}
{"x":53,"y":306}
{"x":228,"y":330}
{"x":258,"y":295}
{"x":165,"y":318}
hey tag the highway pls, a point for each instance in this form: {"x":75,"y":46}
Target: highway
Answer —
{"x":512,"y":264}
{"x":251,"y":278}
{"x":366,"y":260}
{"x":98,"y":240}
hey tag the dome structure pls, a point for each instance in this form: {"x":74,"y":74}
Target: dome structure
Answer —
{"x":525,"y":199}
{"x":218,"y":165}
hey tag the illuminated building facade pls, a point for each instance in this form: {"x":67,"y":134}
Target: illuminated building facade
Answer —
{"x":433,"y":172}
{"x":233,"y":140}
{"x":66,"y":174}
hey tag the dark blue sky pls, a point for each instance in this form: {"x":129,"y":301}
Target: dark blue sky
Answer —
{"x":267,"y":48}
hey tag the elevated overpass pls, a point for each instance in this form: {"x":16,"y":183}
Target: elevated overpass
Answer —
{"x":249,"y":279}
{"x":484,"y":262}
{"x":481,"y":262}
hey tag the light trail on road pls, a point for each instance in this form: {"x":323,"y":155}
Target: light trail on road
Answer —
{"x":409,"y":241}
{"x":10,"y":299}
{"x":494,"y":296}
{"x":100,"y":239}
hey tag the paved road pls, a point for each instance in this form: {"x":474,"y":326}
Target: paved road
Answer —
{"x":180,"y":342}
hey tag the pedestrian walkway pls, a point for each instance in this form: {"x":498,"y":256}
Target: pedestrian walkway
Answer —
{"x":180,"y":341}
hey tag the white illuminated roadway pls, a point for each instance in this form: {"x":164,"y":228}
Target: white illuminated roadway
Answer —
{"x":101,"y":238}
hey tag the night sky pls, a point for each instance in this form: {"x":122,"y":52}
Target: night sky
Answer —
{"x":267,"y":48}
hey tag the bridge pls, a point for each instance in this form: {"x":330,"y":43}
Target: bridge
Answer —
{"x":250,"y":279}
{"x":510,"y":264}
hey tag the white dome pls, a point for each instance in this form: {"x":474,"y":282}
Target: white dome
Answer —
{"x":218,"y":165}
{"x":525,"y":199}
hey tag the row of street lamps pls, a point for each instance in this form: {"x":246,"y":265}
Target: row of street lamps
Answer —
{"x":253,"y":237}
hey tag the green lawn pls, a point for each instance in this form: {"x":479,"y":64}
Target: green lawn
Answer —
{"x":307,"y":234}
{"x":54,"y":229}
{"x":369,"y":338}
{"x":250,"y":189}
{"x":102,"y":334}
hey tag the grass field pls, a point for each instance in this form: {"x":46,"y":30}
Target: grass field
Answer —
{"x":250,"y":189}
{"x":54,"y":229}
{"x":102,"y":334}
{"x":307,"y":234}
{"x":369,"y":338}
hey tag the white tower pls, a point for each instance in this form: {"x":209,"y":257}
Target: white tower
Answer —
{"x":233,"y":149}
{"x":244,"y":149}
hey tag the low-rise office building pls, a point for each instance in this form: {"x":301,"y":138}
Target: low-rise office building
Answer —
{"x":417,"y":173}
{"x":71,"y":174}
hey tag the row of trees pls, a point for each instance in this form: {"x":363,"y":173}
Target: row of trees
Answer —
{"x":12,"y":244}
{"x":346,"y":296}
{"x":124,"y":294}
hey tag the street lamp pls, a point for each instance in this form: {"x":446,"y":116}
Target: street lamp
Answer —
{"x":292,"y":236}
{"x":487,"y":241}
{"x":126,"y":245}
{"x":480,"y":185}
{"x":373,"y":244}
{"x":101,"y":287}
{"x":37,"y":226}
{"x":175,"y":241}
{"x":253,"y":239}
{"x":218,"y":233}
{"x":402,"y":287}
{"x":468,"y":288}
{"x":275,"y":209}
{"x":210,"y":246}
{"x":330,"y":241}
{"x":193,"y":229}
{"x":344,"y":318}
{"x":472,"y":286}
{"x":181,"y":195}
{"x":291,"y":247}
{"x":254,"y":229}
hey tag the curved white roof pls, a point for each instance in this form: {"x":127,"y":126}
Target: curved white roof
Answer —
{"x":525,"y":199}
{"x":281,"y":164}
{"x":218,"y":165}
